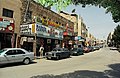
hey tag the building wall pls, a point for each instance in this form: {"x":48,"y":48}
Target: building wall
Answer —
{"x":38,"y":10}
{"x":73,"y":19}
{"x":79,"y":27}
{"x":84,"y":30}
{"x":15,"y":6}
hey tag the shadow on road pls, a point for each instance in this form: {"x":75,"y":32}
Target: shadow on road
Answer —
{"x":14,"y":64}
{"x":113,"y":73}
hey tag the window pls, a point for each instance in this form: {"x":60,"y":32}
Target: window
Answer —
{"x":11,"y":52}
{"x":19,"y":52}
{"x":7,"y":13}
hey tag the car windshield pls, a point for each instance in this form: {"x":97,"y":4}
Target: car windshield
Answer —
{"x":1,"y":51}
{"x":56,"y":49}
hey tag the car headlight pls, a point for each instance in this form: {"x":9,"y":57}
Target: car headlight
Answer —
{"x":75,"y":52}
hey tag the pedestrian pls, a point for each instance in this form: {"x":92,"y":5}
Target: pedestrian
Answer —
{"x":41,"y":51}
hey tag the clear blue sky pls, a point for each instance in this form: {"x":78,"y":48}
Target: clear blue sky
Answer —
{"x":100,"y":24}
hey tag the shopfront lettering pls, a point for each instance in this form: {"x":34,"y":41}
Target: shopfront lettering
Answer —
{"x":38,"y":19}
{"x":44,"y":22}
{"x":41,"y":28}
{"x":50,"y":23}
{"x":6,"y":25}
{"x":24,"y":29}
{"x":52,"y":32}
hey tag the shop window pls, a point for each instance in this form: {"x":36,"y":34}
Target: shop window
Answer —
{"x":56,"y":22}
{"x":44,"y":17}
{"x":7,"y":13}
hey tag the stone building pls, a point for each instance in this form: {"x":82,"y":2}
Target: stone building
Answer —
{"x":26,"y":24}
{"x":9,"y":22}
{"x":80,"y":29}
{"x":47,"y":26}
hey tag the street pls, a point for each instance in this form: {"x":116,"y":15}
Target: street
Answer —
{"x":104,"y":63}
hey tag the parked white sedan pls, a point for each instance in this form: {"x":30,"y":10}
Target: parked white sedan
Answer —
{"x":12,"y":55}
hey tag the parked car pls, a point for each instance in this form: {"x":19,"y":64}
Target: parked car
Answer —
{"x":12,"y":55}
{"x":86,"y":49}
{"x":77,"y":51}
{"x":58,"y":53}
{"x":96,"y":48}
{"x":90,"y":48}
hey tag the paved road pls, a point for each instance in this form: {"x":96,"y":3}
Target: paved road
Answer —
{"x":104,"y":63}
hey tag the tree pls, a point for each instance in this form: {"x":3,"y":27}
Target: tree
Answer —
{"x":112,"y":6}
{"x":58,"y":3}
{"x":116,"y":35}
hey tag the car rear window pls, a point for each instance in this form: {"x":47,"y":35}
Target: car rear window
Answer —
{"x":74,"y":49}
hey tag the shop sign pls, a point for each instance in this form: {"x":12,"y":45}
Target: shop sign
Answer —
{"x":50,"y":23}
{"x":44,"y":22}
{"x":60,"y":34}
{"x":30,"y":40}
{"x":55,"y":33}
{"x":65,"y":33}
{"x":70,"y":42}
{"x":48,"y":40}
{"x":38,"y":19}
{"x":25,"y":29}
{"x":56,"y":41}
{"x":79,"y":37}
{"x":6,"y":25}
{"x":76,"y":38}
{"x":42,"y":30}
{"x":52,"y":32}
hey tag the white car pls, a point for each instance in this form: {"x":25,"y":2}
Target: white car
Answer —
{"x":12,"y":55}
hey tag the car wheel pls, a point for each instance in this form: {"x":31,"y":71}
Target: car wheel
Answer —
{"x":26,"y":61}
{"x":57,"y":57}
{"x":48,"y":58}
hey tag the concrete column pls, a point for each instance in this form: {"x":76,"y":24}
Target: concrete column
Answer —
{"x":34,"y":45}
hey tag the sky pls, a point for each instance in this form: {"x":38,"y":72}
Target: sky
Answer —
{"x":97,"y":21}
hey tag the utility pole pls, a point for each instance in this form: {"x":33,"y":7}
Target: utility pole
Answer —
{"x":26,"y":11}
{"x":26,"y":21}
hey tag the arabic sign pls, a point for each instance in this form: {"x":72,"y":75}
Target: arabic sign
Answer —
{"x":25,"y":29}
{"x":6,"y":25}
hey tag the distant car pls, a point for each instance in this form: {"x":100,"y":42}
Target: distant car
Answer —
{"x":86,"y":49}
{"x":91,"y":48}
{"x":77,"y":51}
{"x":96,"y":48}
{"x":12,"y":55}
{"x":58,"y":53}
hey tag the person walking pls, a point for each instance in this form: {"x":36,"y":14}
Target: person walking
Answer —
{"x":41,"y":51}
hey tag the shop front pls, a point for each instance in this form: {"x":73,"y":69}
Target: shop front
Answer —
{"x":26,"y":39}
{"x":41,"y":35}
{"x":80,"y":41}
{"x":68,"y":37}
{"x":7,"y":35}
{"x":48,"y":36}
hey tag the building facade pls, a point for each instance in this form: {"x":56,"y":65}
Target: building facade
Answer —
{"x":45,"y":27}
{"x":33,"y":26}
{"x":9,"y":22}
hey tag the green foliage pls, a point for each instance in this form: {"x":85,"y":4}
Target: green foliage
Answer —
{"x":112,"y":6}
{"x":58,"y":3}
{"x":116,"y":35}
